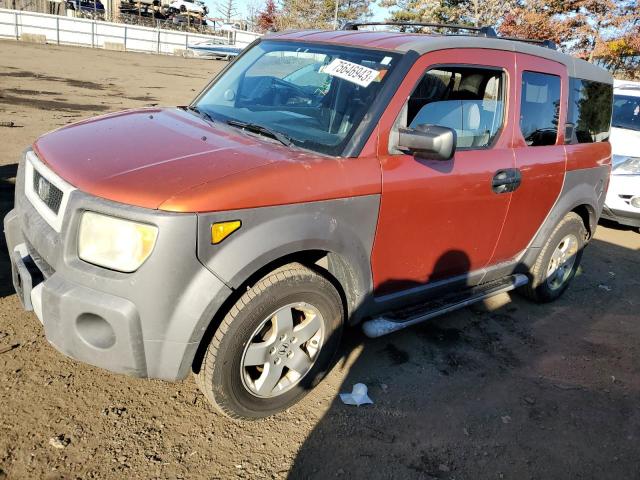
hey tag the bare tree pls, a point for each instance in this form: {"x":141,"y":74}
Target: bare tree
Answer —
{"x":227,"y":9}
{"x":253,"y":12}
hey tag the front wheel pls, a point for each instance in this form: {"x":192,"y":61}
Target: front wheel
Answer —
{"x":558,"y":260}
{"x":274,"y":345}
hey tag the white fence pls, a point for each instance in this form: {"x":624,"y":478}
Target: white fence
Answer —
{"x":92,"y":33}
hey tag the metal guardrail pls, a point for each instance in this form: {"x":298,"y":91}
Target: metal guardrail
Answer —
{"x":94,"y":33}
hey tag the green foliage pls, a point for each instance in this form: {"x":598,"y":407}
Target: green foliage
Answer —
{"x":602,"y":31}
{"x":465,"y":12}
{"x":321,"y":13}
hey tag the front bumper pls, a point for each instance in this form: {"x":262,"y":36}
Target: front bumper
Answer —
{"x":622,"y":188}
{"x":147,"y":323}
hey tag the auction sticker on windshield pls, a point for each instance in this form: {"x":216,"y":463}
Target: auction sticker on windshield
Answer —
{"x":351,"y":72}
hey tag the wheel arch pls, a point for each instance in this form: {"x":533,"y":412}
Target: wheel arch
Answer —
{"x":583,"y":193}
{"x":333,"y":238}
{"x":589,"y":217}
{"x":332,"y":266}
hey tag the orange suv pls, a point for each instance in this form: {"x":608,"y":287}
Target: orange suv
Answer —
{"x":323,"y":179}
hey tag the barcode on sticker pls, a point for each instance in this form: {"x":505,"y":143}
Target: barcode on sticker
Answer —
{"x":351,"y":72}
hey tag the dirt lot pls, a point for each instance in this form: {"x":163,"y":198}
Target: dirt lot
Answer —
{"x":508,"y":390}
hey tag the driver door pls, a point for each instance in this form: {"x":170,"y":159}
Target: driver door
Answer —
{"x":441,"y":220}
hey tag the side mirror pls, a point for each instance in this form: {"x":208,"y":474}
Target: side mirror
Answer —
{"x":431,"y":142}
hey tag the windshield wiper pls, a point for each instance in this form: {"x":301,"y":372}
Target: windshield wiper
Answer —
{"x":261,"y":130}
{"x":200,"y":113}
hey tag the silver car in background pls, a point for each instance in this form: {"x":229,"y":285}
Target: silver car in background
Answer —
{"x":623,"y":198}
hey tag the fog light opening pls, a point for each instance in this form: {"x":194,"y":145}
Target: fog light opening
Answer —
{"x":95,"y":331}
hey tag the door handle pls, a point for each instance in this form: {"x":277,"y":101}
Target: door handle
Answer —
{"x":507,"y":180}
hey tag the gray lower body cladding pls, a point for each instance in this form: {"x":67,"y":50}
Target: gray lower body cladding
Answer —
{"x":147,"y":323}
{"x":344,"y":228}
{"x":585,"y":187}
{"x":150,"y":323}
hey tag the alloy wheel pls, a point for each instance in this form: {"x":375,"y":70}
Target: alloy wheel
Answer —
{"x":282,"y":350}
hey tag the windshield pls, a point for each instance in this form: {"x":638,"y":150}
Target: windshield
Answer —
{"x":626,"y":112}
{"x":315,"y":95}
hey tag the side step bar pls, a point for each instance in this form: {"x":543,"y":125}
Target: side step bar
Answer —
{"x":386,"y":324}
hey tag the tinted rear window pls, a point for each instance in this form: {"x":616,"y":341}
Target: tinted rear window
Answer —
{"x":589,"y":115}
{"x":539,"y":108}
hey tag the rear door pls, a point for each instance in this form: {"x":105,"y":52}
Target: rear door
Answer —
{"x":442,"y":219}
{"x":539,"y":150}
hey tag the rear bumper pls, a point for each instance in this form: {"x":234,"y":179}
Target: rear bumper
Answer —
{"x":148,"y":323}
{"x":622,"y":217}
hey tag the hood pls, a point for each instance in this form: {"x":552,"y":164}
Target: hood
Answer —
{"x":144,"y":157}
{"x":625,"y":142}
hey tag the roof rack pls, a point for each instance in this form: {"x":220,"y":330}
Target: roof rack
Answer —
{"x":480,"y":31}
{"x":543,"y":43}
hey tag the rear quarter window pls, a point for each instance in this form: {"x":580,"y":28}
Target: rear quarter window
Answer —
{"x":589,"y":116}
{"x":539,"y":108}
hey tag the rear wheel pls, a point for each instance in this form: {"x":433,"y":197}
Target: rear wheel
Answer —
{"x":558,"y":261}
{"x":275,"y":344}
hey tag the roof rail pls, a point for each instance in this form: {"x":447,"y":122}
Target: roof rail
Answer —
{"x":543,"y":43}
{"x":480,"y":31}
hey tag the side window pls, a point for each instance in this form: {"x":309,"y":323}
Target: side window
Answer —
{"x":589,"y":115}
{"x":466,"y":99}
{"x":539,"y":108}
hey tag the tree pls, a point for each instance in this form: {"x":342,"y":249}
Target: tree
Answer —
{"x":601,"y":31}
{"x":227,"y":9}
{"x":266,"y":20}
{"x":465,"y":12}
{"x":320,"y":13}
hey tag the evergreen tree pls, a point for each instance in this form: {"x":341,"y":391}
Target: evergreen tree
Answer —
{"x":320,"y":13}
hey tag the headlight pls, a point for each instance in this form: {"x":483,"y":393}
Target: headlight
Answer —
{"x":626,"y":166}
{"x":115,"y":243}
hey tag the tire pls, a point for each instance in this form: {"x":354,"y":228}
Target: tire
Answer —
{"x":235,"y":388}
{"x":183,"y":8}
{"x":544,"y":286}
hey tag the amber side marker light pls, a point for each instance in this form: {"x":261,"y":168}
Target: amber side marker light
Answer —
{"x":220,"y":231}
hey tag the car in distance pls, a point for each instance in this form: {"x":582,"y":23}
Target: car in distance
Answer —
{"x":86,"y":6}
{"x":189,"y":6}
{"x":622,"y":204}
{"x":214,"y":49}
{"x":324,"y":179}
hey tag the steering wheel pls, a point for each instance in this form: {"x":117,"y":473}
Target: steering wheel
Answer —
{"x":295,"y":90}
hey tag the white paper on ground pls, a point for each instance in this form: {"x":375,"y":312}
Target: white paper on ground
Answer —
{"x":358,"y":395}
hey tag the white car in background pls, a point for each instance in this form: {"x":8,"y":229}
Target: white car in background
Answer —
{"x":214,"y":49}
{"x":189,"y":6}
{"x":623,"y":198}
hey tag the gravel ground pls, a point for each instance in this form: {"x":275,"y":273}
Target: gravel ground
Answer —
{"x":508,"y":389}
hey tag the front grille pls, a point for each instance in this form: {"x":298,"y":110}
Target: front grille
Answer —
{"x":47,"y":192}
